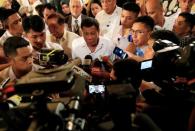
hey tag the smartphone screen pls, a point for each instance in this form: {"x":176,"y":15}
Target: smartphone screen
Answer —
{"x":96,"y":89}
{"x":120,"y":53}
{"x":146,"y":64}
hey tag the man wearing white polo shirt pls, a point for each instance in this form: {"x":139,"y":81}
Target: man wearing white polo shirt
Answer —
{"x":91,"y":43}
{"x":109,"y":18}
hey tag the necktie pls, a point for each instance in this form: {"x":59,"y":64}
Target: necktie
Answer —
{"x":76,"y":27}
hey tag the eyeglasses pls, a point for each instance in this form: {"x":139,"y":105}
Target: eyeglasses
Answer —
{"x":138,"y":32}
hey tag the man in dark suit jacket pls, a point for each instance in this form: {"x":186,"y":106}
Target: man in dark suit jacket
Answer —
{"x":74,"y":20}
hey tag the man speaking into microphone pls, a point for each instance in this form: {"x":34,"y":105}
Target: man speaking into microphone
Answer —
{"x":91,"y":43}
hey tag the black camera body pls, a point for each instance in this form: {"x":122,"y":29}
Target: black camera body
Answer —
{"x":52,"y":57}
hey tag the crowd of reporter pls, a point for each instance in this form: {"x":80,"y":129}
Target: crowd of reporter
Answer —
{"x":144,"y":64}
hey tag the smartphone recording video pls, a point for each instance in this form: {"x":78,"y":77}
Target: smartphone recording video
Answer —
{"x":120,"y":53}
{"x":96,"y":89}
{"x":146,"y":64}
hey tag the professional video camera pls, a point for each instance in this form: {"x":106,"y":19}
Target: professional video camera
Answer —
{"x":169,"y":62}
{"x":40,"y":116}
{"x":49,"y":57}
{"x":39,"y":84}
{"x":187,"y":62}
{"x":164,"y":63}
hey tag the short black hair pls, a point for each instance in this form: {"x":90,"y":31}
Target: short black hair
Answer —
{"x":165,"y":35}
{"x":60,"y":18}
{"x":147,"y":20}
{"x":39,"y":9}
{"x":188,"y":18}
{"x":131,"y":6}
{"x":11,"y":45}
{"x":66,"y":2}
{"x":5,"y":14}
{"x":33,"y":22}
{"x":49,"y":6}
{"x":89,"y":21}
{"x":97,"y":2}
{"x":128,"y":70}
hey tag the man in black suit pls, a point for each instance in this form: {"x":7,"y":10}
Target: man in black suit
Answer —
{"x":74,"y":20}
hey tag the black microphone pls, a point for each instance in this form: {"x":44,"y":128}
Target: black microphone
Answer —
{"x":87,"y":63}
{"x":87,"y":60}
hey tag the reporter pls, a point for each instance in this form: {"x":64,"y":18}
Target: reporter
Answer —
{"x":141,"y":30}
{"x":34,"y":28}
{"x":91,"y":43}
{"x":19,"y":51}
{"x":123,"y":107}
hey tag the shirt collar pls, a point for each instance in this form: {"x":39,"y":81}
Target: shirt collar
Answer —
{"x":98,"y":47}
{"x":79,"y":20}
{"x":12,"y":74}
{"x":8,"y":33}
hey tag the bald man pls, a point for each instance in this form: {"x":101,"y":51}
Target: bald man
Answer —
{"x":155,"y":10}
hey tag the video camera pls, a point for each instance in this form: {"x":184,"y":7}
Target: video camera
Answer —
{"x":164,"y":63}
{"x":48,"y":57}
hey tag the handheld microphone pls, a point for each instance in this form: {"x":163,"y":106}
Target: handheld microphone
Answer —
{"x":87,"y":60}
{"x":87,"y":63}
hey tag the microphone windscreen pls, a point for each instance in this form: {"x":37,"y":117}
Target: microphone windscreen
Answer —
{"x":87,"y":60}
{"x":88,"y":57}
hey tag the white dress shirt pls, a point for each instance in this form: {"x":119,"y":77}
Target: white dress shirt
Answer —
{"x":108,"y":23}
{"x":65,"y":41}
{"x":121,"y":41}
{"x":73,"y":21}
{"x":4,"y":37}
{"x":80,"y":49}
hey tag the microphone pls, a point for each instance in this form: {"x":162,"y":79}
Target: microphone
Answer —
{"x":86,"y":64}
{"x":87,"y":60}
